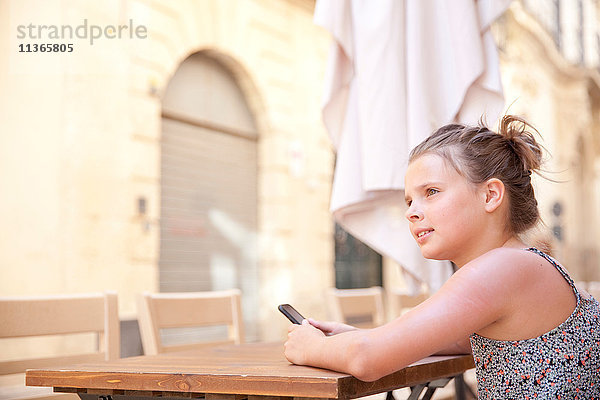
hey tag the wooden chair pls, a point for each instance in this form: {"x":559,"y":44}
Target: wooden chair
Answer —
{"x":158,"y":311}
{"x":56,"y":315}
{"x":401,"y":302}
{"x":362,"y":308}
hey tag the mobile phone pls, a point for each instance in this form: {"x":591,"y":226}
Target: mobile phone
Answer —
{"x":291,"y":313}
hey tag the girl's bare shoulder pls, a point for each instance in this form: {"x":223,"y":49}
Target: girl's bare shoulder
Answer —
{"x":529,"y":293}
{"x":503,"y":269}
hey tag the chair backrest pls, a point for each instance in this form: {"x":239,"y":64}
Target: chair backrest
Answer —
{"x":61,"y":315}
{"x":400,"y":301}
{"x":362,"y":308}
{"x":158,"y":311}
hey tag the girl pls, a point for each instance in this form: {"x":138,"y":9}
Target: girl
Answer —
{"x":531,"y":331}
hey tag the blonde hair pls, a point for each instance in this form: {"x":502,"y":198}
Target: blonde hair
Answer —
{"x":479,"y":154}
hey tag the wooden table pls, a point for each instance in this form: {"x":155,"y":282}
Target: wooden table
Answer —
{"x":256,"y":371}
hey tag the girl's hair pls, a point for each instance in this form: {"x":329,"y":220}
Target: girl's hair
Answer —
{"x":478,"y":154}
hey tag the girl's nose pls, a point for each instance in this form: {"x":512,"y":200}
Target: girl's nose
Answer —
{"x":413,"y":214}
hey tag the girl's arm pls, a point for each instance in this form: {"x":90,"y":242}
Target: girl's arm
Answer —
{"x":473,"y":298}
{"x":330,"y":328}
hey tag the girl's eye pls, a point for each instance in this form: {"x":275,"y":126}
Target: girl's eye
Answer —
{"x":431,"y":191}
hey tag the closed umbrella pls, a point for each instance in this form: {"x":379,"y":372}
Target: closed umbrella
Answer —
{"x":397,"y":70}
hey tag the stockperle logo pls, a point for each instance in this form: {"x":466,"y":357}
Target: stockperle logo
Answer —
{"x":91,"y":32}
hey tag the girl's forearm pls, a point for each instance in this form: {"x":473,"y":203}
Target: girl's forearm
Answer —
{"x":346,"y":352}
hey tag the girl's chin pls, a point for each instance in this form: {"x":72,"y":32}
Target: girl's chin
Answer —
{"x":431,"y":254}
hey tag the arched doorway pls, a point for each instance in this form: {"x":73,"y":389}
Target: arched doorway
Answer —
{"x":208,"y":185}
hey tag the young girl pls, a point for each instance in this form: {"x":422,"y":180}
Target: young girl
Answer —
{"x":531,"y":331}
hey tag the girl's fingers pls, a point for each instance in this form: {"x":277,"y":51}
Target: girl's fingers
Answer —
{"x":315,"y":323}
{"x":326,"y":327}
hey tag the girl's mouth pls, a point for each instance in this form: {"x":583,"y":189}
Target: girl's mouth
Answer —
{"x":423,"y":233}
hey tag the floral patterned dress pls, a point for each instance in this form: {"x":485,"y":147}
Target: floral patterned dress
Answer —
{"x":563,"y":363}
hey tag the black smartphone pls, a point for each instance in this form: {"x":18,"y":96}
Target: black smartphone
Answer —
{"x":291,"y":313}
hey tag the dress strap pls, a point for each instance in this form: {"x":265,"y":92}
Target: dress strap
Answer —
{"x":558,"y":267}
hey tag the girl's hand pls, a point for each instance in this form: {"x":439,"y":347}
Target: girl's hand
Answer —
{"x":331,"y":328}
{"x":301,"y":340}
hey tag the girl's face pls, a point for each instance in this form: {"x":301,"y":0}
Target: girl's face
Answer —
{"x":445,"y":211}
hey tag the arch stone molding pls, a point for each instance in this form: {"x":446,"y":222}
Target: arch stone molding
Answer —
{"x":239,"y":72}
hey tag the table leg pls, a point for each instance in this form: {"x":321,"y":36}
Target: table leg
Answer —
{"x":431,"y":387}
{"x":459,"y":385}
{"x":415,"y":392}
{"x":462,"y":389}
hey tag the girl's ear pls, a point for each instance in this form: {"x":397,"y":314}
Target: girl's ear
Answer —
{"x":494,"y":194}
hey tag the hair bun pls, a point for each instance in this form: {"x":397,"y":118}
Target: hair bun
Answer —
{"x":517,"y":133}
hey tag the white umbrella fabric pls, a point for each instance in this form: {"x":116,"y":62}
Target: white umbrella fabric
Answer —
{"x":397,"y":70}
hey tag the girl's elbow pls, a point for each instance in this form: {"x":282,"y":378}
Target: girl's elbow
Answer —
{"x":367,"y":374}
{"x":362,"y":363}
